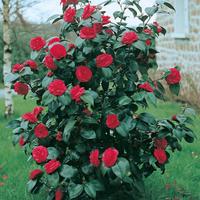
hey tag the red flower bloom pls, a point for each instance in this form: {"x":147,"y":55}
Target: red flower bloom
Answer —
{"x":148,"y":42}
{"x":68,"y":2}
{"x":40,"y":154}
{"x":105,"y":19}
{"x":109,"y":157}
{"x":58,"y":51}
{"x":109,"y":31}
{"x":94,"y":158}
{"x":174,"y":77}
{"x":21,"y":141}
{"x":146,"y":86}
{"x":50,"y":74}
{"x":174,"y":118}
{"x":58,"y":194}
{"x":35,"y":174}
{"x":83,"y":73}
{"x":160,"y":155}
{"x":32,"y":64}
{"x":69,"y":15}
{"x":76,"y":92}
{"x":88,"y":11}
{"x":159,"y":28}
{"x":53,"y":40}
{"x":30,"y":117}
{"x":97,"y":27}
{"x":57,"y":87}
{"x":17,"y":68}
{"x":21,"y":88}
{"x":87,"y":33}
{"x":52,"y":166}
{"x":49,"y":62}
{"x":37,"y":43}
{"x":71,"y":46}
{"x":112,"y":121}
{"x":59,"y":136}
{"x":41,"y":131}
{"x":37,"y":110}
{"x":148,"y":31}
{"x":129,"y":38}
{"x":104,"y":60}
{"x":160,"y":143}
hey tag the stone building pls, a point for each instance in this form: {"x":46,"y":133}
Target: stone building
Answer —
{"x":181,"y":45}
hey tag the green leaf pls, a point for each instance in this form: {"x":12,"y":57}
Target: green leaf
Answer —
{"x":46,"y":81}
{"x":122,"y":168}
{"x":122,"y":130}
{"x":107,"y":72}
{"x":68,"y":128}
{"x":34,"y":54}
{"x":75,"y":190}
{"x":47,"y":98}
{"x":175,"y":89}
{"x":31,"y":184}
{"x":68,"y":171}
{"x":79,"y":42}
{"x":14,"y":124}
{"x":151,"y":98}
{"x":169,"y":6}
{"x":88,"y":134}
{"x":53,"y":179}
{"x":140,"y":45}
{"x":53,"y":153}
{"x":97,"y":185}
{"x":125,"y":100}
{"x":90,"y":190}
{"x":11,"y":77}
{"x":65,"y":99}
{"x":88,"y":98}
{"x":53,"y":17}
{"x":151,"y":10}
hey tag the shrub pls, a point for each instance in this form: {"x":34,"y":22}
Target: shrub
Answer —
{"x":87,"y":135}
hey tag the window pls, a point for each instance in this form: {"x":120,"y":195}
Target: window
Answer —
{"x":181,"y":21}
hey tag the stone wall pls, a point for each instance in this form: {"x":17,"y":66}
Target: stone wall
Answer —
{"x":184,"y":52}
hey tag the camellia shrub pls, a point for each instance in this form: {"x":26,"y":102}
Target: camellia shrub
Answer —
{"x":89,"y":135}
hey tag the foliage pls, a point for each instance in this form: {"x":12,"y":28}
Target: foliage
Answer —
{"x":91,"y":141}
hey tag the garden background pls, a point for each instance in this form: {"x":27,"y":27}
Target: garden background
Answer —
{"x":182,"y":177}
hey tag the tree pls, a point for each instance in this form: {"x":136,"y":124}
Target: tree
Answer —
{"x":7,"y":57}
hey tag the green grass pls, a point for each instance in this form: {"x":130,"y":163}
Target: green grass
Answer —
{"x":180,"y":182}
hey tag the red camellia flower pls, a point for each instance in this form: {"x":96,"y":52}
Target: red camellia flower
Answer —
{"x":104,"y":60}
{"x":129,"y":38}
{"x":159,"y":28}
{"x":35,"y":174}
{"x":58,"y":51}
{"x":160,"y":155}
{"x":53,"y":40}
{"x":17,"y":68}
{"x":109,"y":157}
{"x":52,"y":166}
{"x":174,"y":118}
{"x":160,"y":143}
{"x":83,"y":73}
{"x":97,"y":27}
{"x":76,"y":92}
{"x":59,"y":136}
{"x":105,"y":19}
{"x":87,"y":33}
{"x":109,"y":31}
{"x":58,"y":194}
{"x":148,"y":31}
{"x":49,"y":62}
{"x":148,"y":42}
{"x":40,"y":154}
{"x":88,"y":11}
{"x":30,"y":117}
{"x":68,"y":2}
{"x":21,"y":141}
{"x":37,"y":110}
{"x":21,"y":88}
{"x":146,"y":86}
{"x":112,"y":121}
{"x":94,"y":158}
{"x":69,"y":15}
{"x":50,"y":74}
{"x":37,"y":43}
{"x":57,"y":87}
{"x":71,"y":46}
{"x":174,"y":77}
{"x":32,"y":64}
{"x":41,"y":131}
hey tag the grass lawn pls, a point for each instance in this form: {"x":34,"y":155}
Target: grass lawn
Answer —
{"x":180,"y":182}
